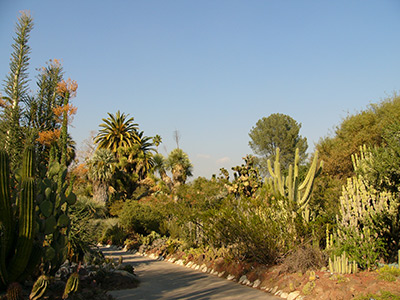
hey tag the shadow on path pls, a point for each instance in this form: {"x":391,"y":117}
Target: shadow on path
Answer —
{"x":164,"y":280}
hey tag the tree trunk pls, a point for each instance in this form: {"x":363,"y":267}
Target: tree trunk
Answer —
{"x":100,"y":192}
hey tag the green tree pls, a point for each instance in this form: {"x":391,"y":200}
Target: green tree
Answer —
{"x":16,"y":90}
{"x":144,"y":156}
{"x":40,"y":114}
{"x":180,"y":166}
{"x":101,"y":170}
{"x":277,"y":131}
{"x":366,"y":127}
{"x":160,"y":166}
{"x":117,"y":132}
{"x":157,"y":140}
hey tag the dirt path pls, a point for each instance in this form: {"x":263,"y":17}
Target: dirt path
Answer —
{"x":164,"y":280}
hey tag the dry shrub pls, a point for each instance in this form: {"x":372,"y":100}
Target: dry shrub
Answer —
{"x":304,"y":258}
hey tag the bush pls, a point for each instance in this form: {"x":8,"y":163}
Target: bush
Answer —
{"x":304,"y":258}
{"x":139,"y":217}
{"x":114,"y":235}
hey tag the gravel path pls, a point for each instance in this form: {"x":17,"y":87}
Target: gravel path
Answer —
{"x":164,"y":280}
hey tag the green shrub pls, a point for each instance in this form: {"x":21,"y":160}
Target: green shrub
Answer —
{"x":382,"y":295}
{"x":387,"y":273}
{"x":113,"y":234}
{"x":139,"y":217}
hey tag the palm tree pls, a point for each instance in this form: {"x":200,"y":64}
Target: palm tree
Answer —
{"x":144,"y":157}
{"x":101,"y":170}
{"x":179,"y":164}
{"x":159,"y":165}
{"x":117,"y":132}
{"x":157,"y":140}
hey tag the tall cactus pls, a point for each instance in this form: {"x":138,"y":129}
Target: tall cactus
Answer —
{"x":289,"y":187}
{"x":16,"y":245}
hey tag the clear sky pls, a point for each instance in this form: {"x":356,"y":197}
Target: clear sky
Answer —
{"x":211,"y":68}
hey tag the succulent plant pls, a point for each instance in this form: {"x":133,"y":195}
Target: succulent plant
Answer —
{"x":17,"y":242}
{"x":39,"y":287}
{"x":342,"y":265}
{"x":14,"y":291}
{"x":296,"y":195}
{"x":72,"y":285}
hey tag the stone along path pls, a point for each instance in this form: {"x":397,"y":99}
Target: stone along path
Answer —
{"x":164,"y":280}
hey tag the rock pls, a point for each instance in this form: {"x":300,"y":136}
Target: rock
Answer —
{"x":189,"y":264}
{"x":284,"y":295}
{"x":243,"y":279}
{"x":221,"y":274}
{"x":293,"y":295}
{"x":230,"y":277}
{"x":256,"y":283}
{"x":125,"y":274}
{"x":274,"y":290}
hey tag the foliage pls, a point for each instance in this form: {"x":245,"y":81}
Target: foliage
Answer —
{"x":382,"y":295}
{"x":251,"y":227}
{"x":277,"y":131}
{"x":16,"y":90}
{"x":114,"y":235}
{"x":117,"y":132}
{"x":138,"y":217}
{"x":381,"y":169}
{"x":304,"y":258}
{"x":364,"y":128}
{"x":101,"y":169}
{"x":388,"y":273}
{"x":364,"y":213}
{"x":83,"y":233}
{"x":247,"y":179}
{"x":179,"y":164}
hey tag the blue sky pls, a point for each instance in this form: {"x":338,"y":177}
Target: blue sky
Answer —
{"x":210,"y":69}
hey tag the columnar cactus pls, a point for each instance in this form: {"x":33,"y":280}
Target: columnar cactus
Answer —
{"x":297,"y":194}
{"x":16,"y":243}
{"x":342,"y":265}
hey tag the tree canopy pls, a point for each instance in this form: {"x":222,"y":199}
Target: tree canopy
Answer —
{"x":277,"y":131}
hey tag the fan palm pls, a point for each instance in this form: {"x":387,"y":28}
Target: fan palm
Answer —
{"x":101,"y":170}
{"x":144,"y":158}
{"x":118,"y":131}
{"x":159,"y":165}
{"x":179,"y":164}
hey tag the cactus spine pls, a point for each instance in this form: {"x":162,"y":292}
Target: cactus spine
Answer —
{"x":297,"y":194}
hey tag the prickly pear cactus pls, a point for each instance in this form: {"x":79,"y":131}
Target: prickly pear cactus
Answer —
{"x":247,"y":179}
{"x":54,"y":198}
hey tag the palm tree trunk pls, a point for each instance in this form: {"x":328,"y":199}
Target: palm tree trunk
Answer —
{"x":100,"y":192}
